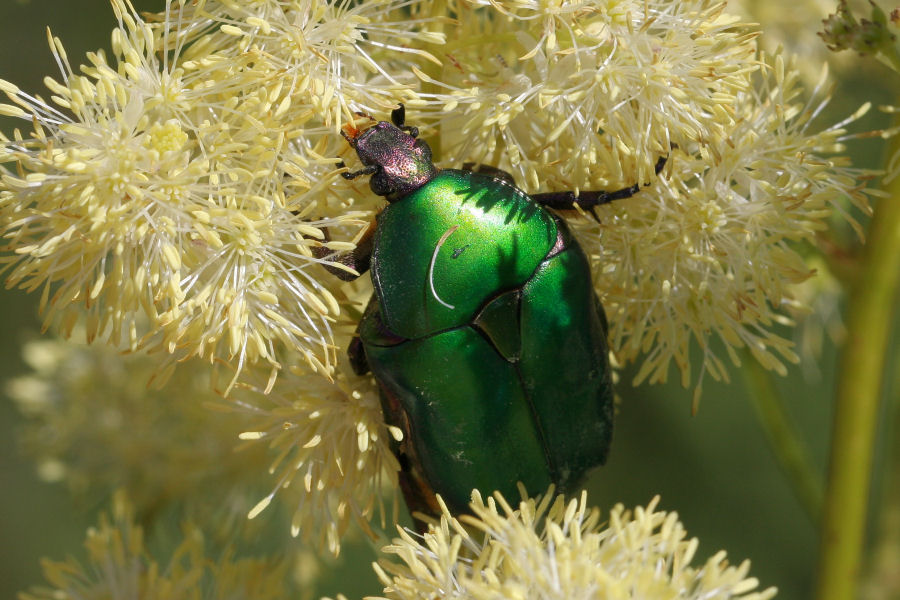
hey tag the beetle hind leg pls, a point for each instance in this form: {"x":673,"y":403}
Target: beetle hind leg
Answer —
{"x":590,"y":200}
{"x":418,"y":493}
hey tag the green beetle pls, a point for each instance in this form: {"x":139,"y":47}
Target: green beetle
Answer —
{"x":484,"y":332}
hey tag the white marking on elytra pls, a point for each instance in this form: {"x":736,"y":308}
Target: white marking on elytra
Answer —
{"x":437,"y":248}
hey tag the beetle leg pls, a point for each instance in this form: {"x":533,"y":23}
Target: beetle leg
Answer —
{"x":489,"y":170}
{"x":589,"y":200}
{"x":354,"y":174}
{"x":398,"y":118}
{"x":359,"y":259}
{"x":357,"y":355}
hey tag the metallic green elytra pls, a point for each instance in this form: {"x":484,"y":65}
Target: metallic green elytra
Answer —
{"x":484,"y":332}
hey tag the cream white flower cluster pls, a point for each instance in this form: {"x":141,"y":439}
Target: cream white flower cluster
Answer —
{"x":332,"y":452}
{"x":178,"y":195}
{"x":91,"y":422}
{"x":185,"y":183}
{"x":586,"y":95}
{"x":555,"y":550}
{"x":589,"y":95}
{"x":190,"y":181}
{"x":120,"y":566}
{"x":730,"y":219}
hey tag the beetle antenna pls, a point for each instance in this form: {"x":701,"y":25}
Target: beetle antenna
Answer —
{"x":437,"y":248}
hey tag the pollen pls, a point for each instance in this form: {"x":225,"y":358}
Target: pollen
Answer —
{"x":167,"y":137}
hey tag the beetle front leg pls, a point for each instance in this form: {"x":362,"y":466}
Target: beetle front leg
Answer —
{"x":359,"y":259}
{"x":589,"y":200}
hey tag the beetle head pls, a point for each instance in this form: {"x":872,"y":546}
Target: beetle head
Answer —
{"x":397,"y":162}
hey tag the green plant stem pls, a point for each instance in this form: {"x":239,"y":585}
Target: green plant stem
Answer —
{"x":858,"y":393}
{"x":880,"y":574}
{"x":784,"y":439}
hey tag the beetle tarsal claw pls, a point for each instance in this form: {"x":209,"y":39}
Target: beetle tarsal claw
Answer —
{"x":437,"y":249}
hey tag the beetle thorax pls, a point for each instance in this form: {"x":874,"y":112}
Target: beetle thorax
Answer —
{"x":404,"y":162}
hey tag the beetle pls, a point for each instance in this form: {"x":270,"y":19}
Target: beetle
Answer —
{"x":484,"y":332}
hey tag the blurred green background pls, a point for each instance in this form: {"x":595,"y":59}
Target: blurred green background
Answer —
{"x":715,"y":469}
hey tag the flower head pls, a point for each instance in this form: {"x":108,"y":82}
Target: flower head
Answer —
{"x":595,"y":104}
{"x":552,"y":549}
{"x":92,"y":423}
{"x":194,"y":183}
{"x":333,"y":59}
{"x":709,"y":249}
{"x":120,"y":567}
{"x":333,"y":455}
{"x":590,"y":96}
{"x":184,"y":186}
{"x":152,"y":191}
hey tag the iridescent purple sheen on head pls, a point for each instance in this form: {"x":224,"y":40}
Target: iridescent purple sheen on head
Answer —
{"x":403,"y":162}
